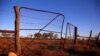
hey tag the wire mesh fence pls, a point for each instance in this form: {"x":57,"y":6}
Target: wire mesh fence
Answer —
{"x":38,"y":22}
{"x":43,"y":26}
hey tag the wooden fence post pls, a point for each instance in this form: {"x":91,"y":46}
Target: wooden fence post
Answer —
{"x":75,"y":35}
{"x":90,"y":36}
{"x":17,"y":29}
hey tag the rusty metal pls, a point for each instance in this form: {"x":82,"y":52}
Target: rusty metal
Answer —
{"x":58,"y":14}
{"x":42,"y":30}
{"x":71,"y":24}
{"x":65,"y":36}
{"x":49,"y":23}
{"x":41,"y":10}
{"x":75,"y":33}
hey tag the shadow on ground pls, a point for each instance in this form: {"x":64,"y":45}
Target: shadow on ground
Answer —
{"x":74,"y":51}
{"x":3,"y":55}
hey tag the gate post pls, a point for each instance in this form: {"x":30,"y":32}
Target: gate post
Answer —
{"x":75,"y":35}
{"x":17,"y":29}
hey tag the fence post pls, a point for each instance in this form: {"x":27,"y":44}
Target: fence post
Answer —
{"x":65,"y":35}
{"x":98,"y":37}
{"x":75,"y":35}
{"x":17,"y":26}
{"x":90,"y":36}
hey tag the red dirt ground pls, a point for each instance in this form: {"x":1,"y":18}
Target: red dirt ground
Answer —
{"x":50,"y":47}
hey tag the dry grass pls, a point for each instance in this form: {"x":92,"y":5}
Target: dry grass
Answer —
{"x":50,"y":47}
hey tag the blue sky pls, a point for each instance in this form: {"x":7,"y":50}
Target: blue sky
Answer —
{"x":83,"y":13}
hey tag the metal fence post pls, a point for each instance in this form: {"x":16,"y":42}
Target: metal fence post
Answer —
{"x":75,"y":35}
{"x":97,"y":39}
{"x":90,"y":36}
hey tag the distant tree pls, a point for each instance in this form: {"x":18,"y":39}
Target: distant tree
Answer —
{"x":62,"y":38}
{"x":37,"y":35}
{"x":55,"y":36}
{"x":51,"y":35}
{"x":30,"y":35}
{"x":45,"y":36}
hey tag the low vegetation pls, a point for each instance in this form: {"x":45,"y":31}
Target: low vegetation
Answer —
{"x":48,"y":47}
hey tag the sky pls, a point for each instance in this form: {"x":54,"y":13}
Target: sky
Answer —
{"x":85,"y":14}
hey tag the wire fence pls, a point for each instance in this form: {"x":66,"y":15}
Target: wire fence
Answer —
{"x":46,"y":27}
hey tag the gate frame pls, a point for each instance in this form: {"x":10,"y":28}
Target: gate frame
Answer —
{"x":17,"y":25}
